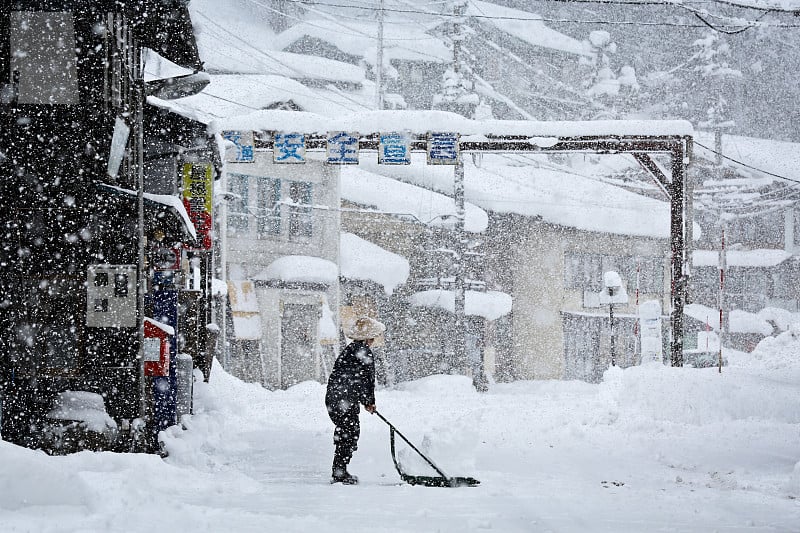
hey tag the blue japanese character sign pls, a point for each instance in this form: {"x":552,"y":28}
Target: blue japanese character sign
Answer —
{"x":443,"y":148}
{"x":394,"y":149}
{"x":342,"y":148}
{"x":289,"y":148}
{"x":243,"y":140}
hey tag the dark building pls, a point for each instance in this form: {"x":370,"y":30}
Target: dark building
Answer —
{"x":91,"y":242}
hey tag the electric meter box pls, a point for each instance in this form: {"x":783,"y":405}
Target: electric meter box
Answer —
{"x":111,"y":296}
{"x":156,"y":348}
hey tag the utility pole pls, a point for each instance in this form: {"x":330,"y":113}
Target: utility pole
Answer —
{"x":379,"y":60}
{"x":723,"y":255}
{"x":459,"y":348}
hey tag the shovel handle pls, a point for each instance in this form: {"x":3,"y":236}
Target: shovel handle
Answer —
{"x":395,"y":430}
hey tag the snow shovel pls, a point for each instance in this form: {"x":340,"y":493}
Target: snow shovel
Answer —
{"x":442,"y":480}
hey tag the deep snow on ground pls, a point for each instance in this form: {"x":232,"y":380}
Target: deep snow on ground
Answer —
{"x":650,"y":448}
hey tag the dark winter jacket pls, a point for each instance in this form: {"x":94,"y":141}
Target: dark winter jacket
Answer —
{"x":353,"y":378}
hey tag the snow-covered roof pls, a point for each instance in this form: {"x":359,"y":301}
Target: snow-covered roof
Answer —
{"x":230,"y":95}
{"x":421,"y":122}
{"x":392,"y":196}
{"x":358,"y":38}
{"x":361,"y":259}
{"x":301,"y":268}
{"x":739,"y":321}
{"x":526,"y":26}
{"x":231,"y":40}
{"x":490,"y":305}
{"x":741,"y":258}
{"x":557,"y":196}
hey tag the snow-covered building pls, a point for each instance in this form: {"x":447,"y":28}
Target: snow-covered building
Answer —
{"x":280,"y":251}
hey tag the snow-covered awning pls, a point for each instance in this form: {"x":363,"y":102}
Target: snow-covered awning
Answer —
{"x":361,"y":259}
{"x":302,"y":269}
{"x":741,"y":258}
{"x":490,"y":305}
{"x":165,"y":200}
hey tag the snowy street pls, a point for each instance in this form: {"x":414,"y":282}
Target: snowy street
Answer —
{"x":651,"y":448}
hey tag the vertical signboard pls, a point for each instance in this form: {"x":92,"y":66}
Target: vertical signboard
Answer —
{"x":197,"y":197}
{"x":342,"y":148}
{"x":243,"y":140}
{"x":394,"y":149}
{"x":289,"y":148}
{"x":443,"y":148}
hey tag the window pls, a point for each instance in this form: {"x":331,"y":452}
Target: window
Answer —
{"x":238,"y":215}
{"x":763,"y":230}
{"x":269,"y":215}
{"x":43,"y":61}
{"x":300,"y":218}
{"x":265,"y":207}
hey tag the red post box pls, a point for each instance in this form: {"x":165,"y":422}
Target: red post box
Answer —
{"x":156,"y":347}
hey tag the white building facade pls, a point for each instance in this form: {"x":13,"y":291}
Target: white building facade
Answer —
{"x":280,"y":253}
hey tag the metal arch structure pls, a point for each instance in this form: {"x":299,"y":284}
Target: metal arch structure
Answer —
{"x":675,"y":186}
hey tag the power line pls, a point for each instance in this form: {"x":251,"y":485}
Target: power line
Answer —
{"x":739,"y":26}
{"x":742,"y":163}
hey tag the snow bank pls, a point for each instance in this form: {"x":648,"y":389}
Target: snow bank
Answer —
{"x":781,"y":352}
{"x":31,"y":478}
{"x":693,"y":396}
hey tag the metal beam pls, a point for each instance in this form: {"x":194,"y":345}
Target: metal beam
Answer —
{"x":679,"y":222}
{"x":655,"y":172}
{"x":640,"y":146}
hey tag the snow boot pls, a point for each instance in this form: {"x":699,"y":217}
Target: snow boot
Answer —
{"x":339,"y":474}
{"x":345,"y":479}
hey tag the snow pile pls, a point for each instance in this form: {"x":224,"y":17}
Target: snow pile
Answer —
{"x":781,"y":352}
{"x":32,"y":479}
{"x":85,"y":407}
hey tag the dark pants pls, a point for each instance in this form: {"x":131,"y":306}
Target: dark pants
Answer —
{"x":345,"y":436}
